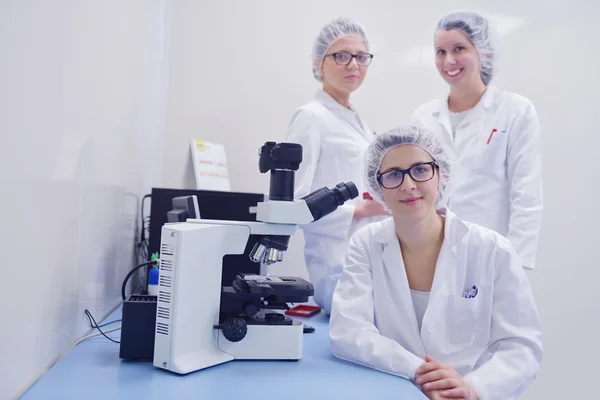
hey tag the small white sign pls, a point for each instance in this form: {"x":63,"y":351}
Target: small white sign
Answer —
{"x":210,"y":165}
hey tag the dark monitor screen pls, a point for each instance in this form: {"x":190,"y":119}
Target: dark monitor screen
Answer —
{"x":229,"y":206}
{"x":184,"y":207}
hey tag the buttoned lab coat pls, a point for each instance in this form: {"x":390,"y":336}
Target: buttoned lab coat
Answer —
{"x":334,"y":140}
{"x":492,"y":340}
{"x":498,"y":178}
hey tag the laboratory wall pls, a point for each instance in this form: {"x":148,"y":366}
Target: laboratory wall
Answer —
{"x":238,"y":69}
{"x":81,"y":86}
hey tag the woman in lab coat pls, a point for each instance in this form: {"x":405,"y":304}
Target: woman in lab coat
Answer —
{"x":333,"y":137}
{"x":493,"y":135}
{"x":427,"y":296}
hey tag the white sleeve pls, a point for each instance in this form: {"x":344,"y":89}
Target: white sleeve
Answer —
{"x":304,"y":130}
{"x":516,"y":335}
{"x":524,"y":167}
{"x":354,"y":336}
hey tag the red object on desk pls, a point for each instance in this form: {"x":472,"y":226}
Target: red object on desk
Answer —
{"x":303,"y":311}
{"x":367,"y":196}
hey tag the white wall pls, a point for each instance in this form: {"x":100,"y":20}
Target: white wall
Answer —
{"x":238,"y":69}
{"x":80,"y":130}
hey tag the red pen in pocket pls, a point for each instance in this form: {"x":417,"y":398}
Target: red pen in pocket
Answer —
{"x":491,"y":134}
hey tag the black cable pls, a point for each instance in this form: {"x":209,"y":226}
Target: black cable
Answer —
{"x":108,"y":323}
{"x":142,"y":251}
{"x":143,"y":231}
{"x":95,"y":325}
{"x":147,"y":221}
{"x":124,"y":286}
{"x":142,"y":245}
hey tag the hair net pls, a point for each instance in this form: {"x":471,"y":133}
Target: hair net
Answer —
{"x":414,"y":134}
{"x":331,"y":33}
{"x":477,"y":29}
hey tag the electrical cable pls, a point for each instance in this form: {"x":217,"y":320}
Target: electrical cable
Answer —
{"x":144,"y":235}
{"x":109,"y":323}
{"x":95,"y":325}
{"x":124,"y":286}
{"x":143,"y":230}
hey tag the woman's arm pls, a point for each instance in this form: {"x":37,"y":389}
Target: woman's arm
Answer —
{"x":524,"y":168}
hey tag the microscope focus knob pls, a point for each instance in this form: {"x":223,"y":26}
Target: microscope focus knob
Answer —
{"x":234,"y":329}
{"x":251,"y":309}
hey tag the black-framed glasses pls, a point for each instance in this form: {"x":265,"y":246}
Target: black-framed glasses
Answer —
{"x":393,"y":178}
{"x":345,"y":58}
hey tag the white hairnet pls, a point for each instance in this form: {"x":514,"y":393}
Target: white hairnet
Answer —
{"x":416,"y":135}
{"x":331,"y":33}
{"x":477,"y":29}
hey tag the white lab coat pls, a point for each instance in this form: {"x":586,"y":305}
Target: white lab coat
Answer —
{"x":496,"y":185}
{"x":333,"y":140}
{"x":492,"y":340}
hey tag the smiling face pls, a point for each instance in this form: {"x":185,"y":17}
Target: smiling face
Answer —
{"x":344,"y":79}
{"x":412,"y":200}
{"x":457,"y":60}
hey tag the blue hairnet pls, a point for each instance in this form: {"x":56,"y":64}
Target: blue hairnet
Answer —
{"x":416,"y":135}
{"x":478,"y":31}
{"x":331,"y":33}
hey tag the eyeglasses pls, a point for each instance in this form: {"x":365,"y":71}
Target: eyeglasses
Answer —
{"x":343,"y":58}
{"x":419,"y":173}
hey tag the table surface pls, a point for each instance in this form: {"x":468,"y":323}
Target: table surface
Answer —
{"x":93,"y":370}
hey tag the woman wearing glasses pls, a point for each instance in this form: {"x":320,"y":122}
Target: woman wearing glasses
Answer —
{"x":427,"y":296}
{"x":493,"y":134}
{"x":334,"y":138}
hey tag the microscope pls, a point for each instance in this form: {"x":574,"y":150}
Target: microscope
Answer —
{"x":199,"y":322}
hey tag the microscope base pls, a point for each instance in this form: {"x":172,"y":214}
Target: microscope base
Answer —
{"x":266,"y":342}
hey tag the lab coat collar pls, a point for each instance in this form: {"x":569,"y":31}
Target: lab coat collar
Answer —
{"x":486,"y":101}
{"x":349,"y":114}
{"x":454,"y":230}
{"x":331,"y":103}
{"x":442,"y":113}
{"x":489,"y":96}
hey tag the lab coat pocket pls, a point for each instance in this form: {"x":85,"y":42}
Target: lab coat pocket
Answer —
{"x":491,"y":154}
{"x":463,"y":320}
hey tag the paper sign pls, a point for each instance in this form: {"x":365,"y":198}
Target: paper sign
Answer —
{"x":210,"y":165}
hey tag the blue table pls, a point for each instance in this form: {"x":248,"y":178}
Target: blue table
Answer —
{"x":93,"y":370}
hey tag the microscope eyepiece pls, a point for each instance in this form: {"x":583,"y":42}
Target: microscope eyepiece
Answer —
{"x":344,"y":192}
{"x":324,"y":201}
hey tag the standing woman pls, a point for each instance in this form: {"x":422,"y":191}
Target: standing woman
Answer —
{"x":493,"y":135}
{"x":334,"y":138}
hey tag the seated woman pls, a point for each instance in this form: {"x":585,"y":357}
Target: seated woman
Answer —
{"x":426,"y":296}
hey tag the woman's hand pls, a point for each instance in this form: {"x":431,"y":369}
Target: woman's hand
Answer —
{"x":435,"y":395}
{"x":443,"y":380}
{"x":368,"y":209}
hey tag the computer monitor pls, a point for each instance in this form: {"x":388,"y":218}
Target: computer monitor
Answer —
{"x":184,"y":207}
{"x":228,"y":206}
